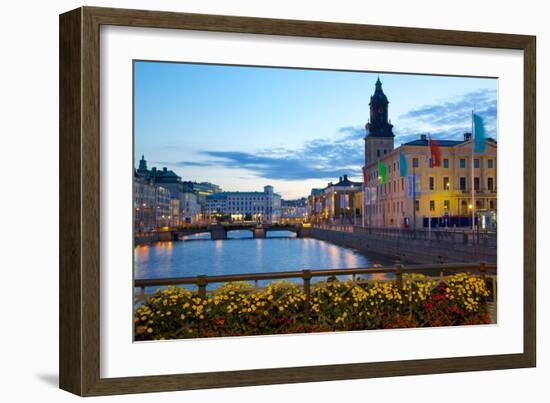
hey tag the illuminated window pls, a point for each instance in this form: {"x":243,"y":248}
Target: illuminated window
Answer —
{"x":432,"y":183}
{"x":415,"y":162}
{"x":446,"y":183}
{"x":432,"y":205}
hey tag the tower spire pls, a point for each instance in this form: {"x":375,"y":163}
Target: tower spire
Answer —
{"x":142,"y":163}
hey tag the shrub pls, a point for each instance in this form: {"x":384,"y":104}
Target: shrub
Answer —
{"x":237,"y":309}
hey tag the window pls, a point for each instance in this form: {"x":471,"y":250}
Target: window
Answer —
{"x":415,"y":162}
{"x":462,"y":183}
{"x":445,"y":163}
{"x":490,"y":184}
{"x":385,"y":151}
{"x":476,"y":184}
{"x":430,"y":163}
{"x":463,"y":163}
{"x":432,"y":205}
{"x":417,"y":205}
{"x":489,"y":163}
{"x":491,"y":204}
{"x":447,"y":205}
{"x":402,"y":184}
{"x":446,"y":183}
{"x":432,"y":183}
{"x":476,"y":163}
{"x":394,"y":186}
{"x":378,"y":153}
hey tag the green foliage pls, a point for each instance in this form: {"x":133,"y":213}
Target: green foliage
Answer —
{"x":237,"y":309}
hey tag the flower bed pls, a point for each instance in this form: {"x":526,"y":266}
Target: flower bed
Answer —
{"x":237,"y":309}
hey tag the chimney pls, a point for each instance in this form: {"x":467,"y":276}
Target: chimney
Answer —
{"x":467,"y":136}
{"x":340,"y":180}
{"x":423,"y":137}
{"x":154,"y":169}
{"x":164,"y":169}
{"x":345,"y":177}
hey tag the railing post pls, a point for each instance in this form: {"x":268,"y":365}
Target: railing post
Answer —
{"x":399,"y":276}
{"x":202,"y":281}
{"x":482,"y":270}
{"x":306,"y":275}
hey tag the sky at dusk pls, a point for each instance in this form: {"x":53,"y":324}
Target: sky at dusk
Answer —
{"x":295,"y":129}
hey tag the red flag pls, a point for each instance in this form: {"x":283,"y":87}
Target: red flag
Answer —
{"x":365,"y":177}
{"x":435,"y":152}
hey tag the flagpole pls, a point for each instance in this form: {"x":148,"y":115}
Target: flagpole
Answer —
{"x":472,"y":180}
{"x":364,"y":201}
{"x":414,"y":199}
{"x":429,"y":193}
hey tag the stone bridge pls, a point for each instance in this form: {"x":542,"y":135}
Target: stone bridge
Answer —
{"x":219,"y":231}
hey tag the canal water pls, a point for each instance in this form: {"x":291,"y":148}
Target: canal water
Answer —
{"x":240,"y":253}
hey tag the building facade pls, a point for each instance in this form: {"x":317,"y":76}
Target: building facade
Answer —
{"x":428,"y":196}
{"x":343,"y":201}
{"x":175,"y":202}
{"x":238,"y":206}
{"x":294,"y":211}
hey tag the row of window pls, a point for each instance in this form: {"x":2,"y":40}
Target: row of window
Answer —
{"x":398,"y":206}
{"x":384,"y":189}
{"x":462,"y":163}
{"x":447,"y":184}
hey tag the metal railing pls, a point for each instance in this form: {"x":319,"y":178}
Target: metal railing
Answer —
{"x":485,"y":270}
{"x":436,"y":234}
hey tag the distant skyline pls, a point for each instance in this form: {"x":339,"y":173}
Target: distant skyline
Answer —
{"x":295,"y":129}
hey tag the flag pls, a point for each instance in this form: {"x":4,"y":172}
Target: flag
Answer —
{"x":414,"y":185}
{"x":381,"y":173}
{"x":365,"y":177}
{"x":435,"y":152}
{"x":367,"y":196}
{"x":480,"y":137}
{"x":402,"y":164}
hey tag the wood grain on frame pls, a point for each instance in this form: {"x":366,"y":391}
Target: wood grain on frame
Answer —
{"x":79,"y":200}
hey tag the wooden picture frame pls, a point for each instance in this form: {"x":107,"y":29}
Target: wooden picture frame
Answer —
{"x":80,"y":200}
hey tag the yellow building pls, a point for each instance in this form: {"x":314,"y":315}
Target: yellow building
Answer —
{"x":443,"y":194}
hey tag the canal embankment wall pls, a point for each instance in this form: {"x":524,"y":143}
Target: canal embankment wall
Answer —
{"x":410,"y":250}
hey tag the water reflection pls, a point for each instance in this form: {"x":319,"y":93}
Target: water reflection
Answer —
{"x":240,"y":253}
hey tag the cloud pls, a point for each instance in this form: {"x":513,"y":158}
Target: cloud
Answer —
{"x":323,"y":158}
{"x":449,"y":119}
{"x":329,"y":158}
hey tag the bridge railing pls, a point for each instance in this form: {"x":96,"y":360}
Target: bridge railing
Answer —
{"x":485,"y":270}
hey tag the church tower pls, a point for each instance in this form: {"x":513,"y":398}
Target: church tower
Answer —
{"x":379,"y":131}
{"x":142,"y":165}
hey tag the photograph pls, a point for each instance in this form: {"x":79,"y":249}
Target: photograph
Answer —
{"x":273,"y":200}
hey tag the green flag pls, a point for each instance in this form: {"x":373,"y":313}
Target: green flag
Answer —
{"x":381,"y":173}
{"x":402,"y":165}
{"x":480,"y":137}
